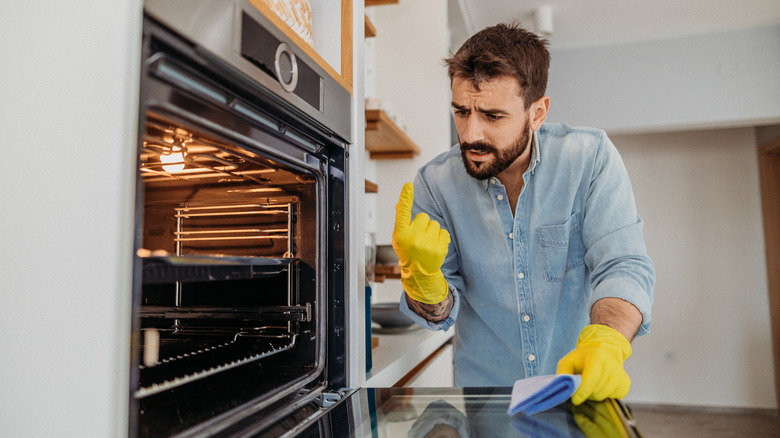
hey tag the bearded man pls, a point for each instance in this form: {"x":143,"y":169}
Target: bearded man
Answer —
{"x":526,"y":233}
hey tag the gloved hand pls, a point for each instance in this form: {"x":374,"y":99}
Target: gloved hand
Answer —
{"x":599,"y":358}
{"x":421,"y":246}
{"x":596,"y":420}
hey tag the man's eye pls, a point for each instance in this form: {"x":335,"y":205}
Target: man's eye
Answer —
{"x":492,"y":116}
{"x":461,"y":113}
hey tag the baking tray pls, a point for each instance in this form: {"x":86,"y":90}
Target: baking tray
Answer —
{"x":199,"y":268}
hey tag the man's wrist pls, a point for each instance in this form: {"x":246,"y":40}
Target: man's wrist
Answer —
{"x":431,"y":312}
{"x":618,"y":314}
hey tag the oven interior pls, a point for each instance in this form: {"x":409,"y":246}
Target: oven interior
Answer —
{"x":229,"y":269}
{"x":222,"y":248}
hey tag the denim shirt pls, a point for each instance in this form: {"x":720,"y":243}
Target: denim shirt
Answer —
{"x":523,"y":285}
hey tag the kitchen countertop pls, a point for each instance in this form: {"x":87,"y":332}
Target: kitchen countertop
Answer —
{"x":399,"y":352}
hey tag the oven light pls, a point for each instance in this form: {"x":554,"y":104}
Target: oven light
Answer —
{"x":174,"y":161}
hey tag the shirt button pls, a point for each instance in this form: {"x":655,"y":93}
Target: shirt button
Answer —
{"x":521,"y":275}
{"x":526,"y":318}
{"x":493,"y":180}
{"x":500,"y":197}
{"x":531,"y":358}
{"x":511,"y":235}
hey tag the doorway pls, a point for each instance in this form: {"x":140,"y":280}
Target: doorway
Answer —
{"x":769,"y":171}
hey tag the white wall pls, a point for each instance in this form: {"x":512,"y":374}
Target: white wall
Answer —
{"x":405,"y":69}
{"x":411,"y":44}
{"x":715,"y":80}
{"x":710,"y":342}
{"x":68,"y":124}
{"x":326,"y":30}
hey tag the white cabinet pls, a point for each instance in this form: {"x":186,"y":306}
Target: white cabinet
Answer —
{"x":437,"y":371}
{"x":398,"y":355}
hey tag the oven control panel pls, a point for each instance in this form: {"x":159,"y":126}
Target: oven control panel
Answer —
{"x":277,"y":59}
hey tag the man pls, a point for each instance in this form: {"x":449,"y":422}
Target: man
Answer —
{"x":527,"y":233}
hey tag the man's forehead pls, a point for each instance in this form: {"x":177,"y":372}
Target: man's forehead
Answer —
{"x":498,"y":83}
{"x":503,"y":88}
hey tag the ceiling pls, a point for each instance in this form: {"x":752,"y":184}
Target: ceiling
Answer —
{"x":583,"y":23}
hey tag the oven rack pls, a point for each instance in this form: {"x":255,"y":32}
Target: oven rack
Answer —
{"x":262,"y":229}
{"x":261,"y":313}
{"x":197,"y":268}
{"x":188,"y":358}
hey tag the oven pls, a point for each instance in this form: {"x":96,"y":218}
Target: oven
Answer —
{"x":239,"y":270}
{"x":240,"y":305}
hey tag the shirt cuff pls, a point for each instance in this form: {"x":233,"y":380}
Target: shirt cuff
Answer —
{"x":441,"y":325}
{"x":628,"y":290}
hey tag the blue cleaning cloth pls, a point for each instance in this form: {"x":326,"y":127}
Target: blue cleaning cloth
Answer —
{"x":537,"y":394}
{"x":553,"y":423}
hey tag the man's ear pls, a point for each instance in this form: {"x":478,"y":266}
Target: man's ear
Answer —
{"x":539,"y":111}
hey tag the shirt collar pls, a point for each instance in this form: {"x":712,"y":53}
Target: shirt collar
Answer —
{"x":534,"y":154}
{"x":534,"y":160}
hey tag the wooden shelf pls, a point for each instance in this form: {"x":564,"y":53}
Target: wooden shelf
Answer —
{"x":381,"y":272}
{"x":381,"y":2}
{"x":370,"y":29}
{"x":371,"y":187}
{"x":385,"y":140}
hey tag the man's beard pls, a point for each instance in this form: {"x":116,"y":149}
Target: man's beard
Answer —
{"x":502,"y":159}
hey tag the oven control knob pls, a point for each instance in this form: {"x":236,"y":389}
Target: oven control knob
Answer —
{"x":286,"y":66}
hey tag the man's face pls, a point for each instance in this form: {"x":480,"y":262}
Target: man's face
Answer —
{"x":492,"y":123}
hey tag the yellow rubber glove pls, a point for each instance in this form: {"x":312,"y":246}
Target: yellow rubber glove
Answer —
{"x":421,"y":246}
{"x":597,"y":420}
{"x":599,"y":358}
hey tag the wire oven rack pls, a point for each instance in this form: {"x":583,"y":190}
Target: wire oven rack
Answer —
{"x":187,"y":356}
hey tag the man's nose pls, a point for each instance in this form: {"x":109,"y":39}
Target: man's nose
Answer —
{"x":473,"y":130}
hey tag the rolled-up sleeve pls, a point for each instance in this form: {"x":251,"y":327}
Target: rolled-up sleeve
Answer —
{"x":441,"y":325}
{"x":612,"y":233}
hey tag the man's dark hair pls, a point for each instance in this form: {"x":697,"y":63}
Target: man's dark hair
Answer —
{"x":504,"y":50}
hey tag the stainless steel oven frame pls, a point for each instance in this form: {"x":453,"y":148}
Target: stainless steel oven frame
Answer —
{"x":220,"y":68}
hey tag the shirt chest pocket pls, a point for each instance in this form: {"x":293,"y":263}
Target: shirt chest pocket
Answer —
{"x":561,"y":248}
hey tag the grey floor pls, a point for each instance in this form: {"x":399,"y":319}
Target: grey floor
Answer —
{"x":687,"y":422}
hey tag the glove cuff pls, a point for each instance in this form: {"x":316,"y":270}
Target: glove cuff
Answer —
{"x":602,"y":334}
{"x":425,"y":288}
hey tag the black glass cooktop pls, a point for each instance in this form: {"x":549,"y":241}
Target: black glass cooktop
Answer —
{"x":465,"y":412}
